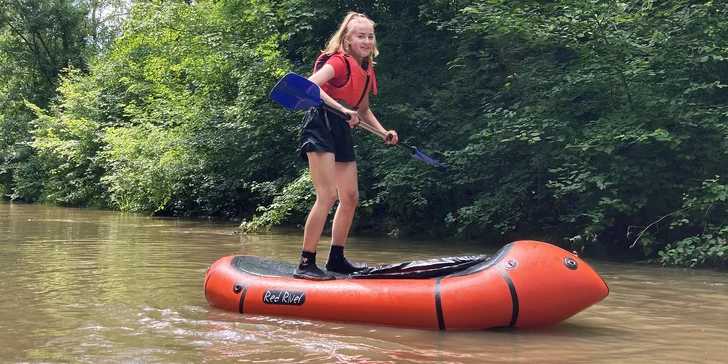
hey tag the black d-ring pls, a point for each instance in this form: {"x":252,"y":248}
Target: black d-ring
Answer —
{"x":571,"y":263}
{"x":237,"y":288}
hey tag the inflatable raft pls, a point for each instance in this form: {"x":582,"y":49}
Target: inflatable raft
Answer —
{"x":525,"y":284}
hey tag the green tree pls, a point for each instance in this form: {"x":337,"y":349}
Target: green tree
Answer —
{"x":38,"y":39}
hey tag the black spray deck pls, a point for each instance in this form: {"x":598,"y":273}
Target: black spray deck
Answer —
{"x":416,"y":269}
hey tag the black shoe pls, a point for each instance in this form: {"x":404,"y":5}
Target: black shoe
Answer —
{"x":311,"y":272}
{"x":343,"y":266}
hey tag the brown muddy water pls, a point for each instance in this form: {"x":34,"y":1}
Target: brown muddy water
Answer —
{"x":88,"y":286}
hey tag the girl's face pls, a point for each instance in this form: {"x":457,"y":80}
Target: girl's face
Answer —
{"x":361,"y":39}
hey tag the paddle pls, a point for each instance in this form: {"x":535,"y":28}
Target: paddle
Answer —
{"x":296,"y":92}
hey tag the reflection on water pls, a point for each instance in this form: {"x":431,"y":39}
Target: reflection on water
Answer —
{"x":93,"y":286}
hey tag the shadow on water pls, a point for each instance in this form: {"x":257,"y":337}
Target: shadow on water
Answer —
{"x":233,"y":335}
{"x":566,"y":329}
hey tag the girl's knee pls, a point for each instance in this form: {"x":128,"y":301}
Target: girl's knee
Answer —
{"x":326,"y":197}
{"x":349,"y":198}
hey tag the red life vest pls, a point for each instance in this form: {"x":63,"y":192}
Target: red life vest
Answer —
{"x":358,"y":84}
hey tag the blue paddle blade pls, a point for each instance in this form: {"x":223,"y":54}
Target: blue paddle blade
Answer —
{"x":296,"y":92}
{"x":416,"y":154}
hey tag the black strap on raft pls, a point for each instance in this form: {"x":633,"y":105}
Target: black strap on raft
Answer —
{"x":421,"y":269}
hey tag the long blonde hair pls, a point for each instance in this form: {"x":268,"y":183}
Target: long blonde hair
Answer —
{"x":336,"y":43}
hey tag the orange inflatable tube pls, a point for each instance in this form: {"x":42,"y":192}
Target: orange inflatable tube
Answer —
{"x":526,"y":284}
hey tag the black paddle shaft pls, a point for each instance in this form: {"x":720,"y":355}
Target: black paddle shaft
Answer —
{"x":370,"y":128}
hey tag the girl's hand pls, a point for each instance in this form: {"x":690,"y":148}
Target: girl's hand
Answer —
{"x":391,"y":137}
{"x":354,"y":117}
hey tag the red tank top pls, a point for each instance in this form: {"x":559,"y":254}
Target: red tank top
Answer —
{"x":359,"y":84}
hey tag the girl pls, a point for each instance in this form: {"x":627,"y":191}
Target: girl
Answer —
{"x":345,"y":73}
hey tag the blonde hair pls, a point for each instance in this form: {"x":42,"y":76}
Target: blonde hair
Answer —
{"x":336,"y":43}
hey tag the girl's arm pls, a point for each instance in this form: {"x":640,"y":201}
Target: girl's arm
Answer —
{"x":367,"y":115}
{"x":322,"y":76}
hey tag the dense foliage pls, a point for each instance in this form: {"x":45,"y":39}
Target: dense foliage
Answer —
{"x":596,"y":125}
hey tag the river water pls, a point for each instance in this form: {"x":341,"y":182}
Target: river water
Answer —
{"x":91,"y":286}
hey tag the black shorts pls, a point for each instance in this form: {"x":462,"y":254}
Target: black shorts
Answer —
{"x":324,"y":131}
